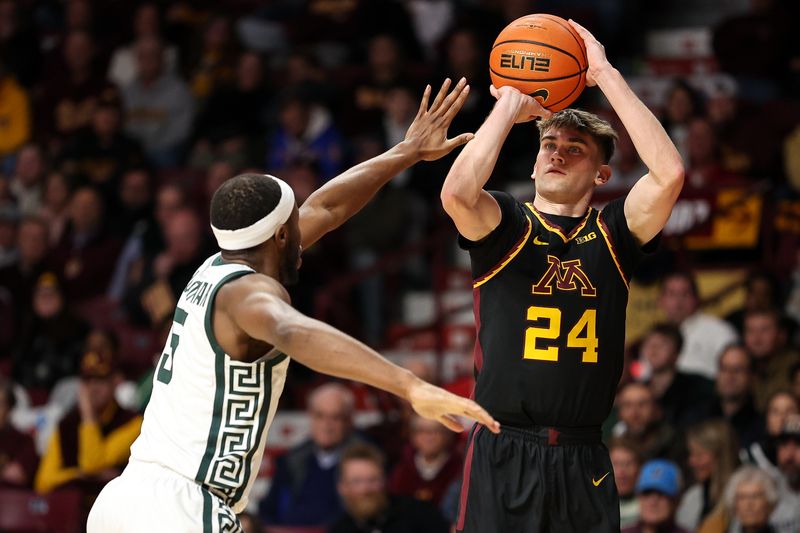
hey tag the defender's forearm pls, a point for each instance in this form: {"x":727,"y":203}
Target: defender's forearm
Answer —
{"x":347,"y":193}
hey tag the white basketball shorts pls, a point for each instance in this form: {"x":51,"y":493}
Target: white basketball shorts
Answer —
{"x":151,"y":498}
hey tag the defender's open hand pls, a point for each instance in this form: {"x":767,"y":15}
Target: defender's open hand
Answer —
{"x":428,"y":132}
{"x":438,"y":404}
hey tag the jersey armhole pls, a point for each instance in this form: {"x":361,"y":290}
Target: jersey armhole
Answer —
{"x":510,"y":255}
{"x":611,"y":248}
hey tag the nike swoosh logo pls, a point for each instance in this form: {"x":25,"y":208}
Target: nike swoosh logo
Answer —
{"x":597,"y":483}
{"x":538,"y":242}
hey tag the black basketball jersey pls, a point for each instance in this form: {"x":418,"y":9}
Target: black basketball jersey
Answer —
{"x":550,"y":314}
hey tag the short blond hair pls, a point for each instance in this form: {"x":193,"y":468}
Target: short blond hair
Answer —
{"x":600,"y":130}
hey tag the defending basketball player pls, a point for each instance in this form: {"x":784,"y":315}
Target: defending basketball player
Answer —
{"x":551,"y":285}
{"x":217,"y":384}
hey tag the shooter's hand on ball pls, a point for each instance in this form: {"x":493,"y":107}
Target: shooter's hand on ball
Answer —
{"x":595,"y":53}
{"x":528,"y":107}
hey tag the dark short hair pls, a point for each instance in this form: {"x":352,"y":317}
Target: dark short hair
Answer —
{"x":577,"y":119}
{"x":669,"y":331}
{"x":738,"y":346}
{"x":362,"y":451}
{"x":244,"y":200}
{"x":627,"y":444}
{"x":774,"y":314}
{"x":685,"y":275}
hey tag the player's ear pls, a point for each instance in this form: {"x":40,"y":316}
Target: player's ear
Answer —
{"x":282,"y":235}
{"x":603,"y":175}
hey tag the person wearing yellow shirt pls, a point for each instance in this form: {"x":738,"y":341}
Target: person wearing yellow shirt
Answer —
{"x":92,"y":442}
{"x":15,"y":117}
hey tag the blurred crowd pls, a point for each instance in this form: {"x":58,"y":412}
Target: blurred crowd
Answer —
{"x":119,"y":119}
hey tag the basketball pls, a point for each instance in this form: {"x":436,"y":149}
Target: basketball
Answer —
{"x":542,"y":56}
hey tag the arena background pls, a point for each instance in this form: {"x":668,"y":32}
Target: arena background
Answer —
{"x":104,"y":187}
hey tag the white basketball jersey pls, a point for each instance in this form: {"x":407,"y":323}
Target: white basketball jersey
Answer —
{"x":208,"y":415}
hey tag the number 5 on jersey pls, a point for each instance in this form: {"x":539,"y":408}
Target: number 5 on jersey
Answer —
{"x":582,"y":335}
{"x":164,"y":372}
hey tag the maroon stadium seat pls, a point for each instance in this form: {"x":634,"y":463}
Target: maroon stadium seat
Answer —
{"x":25,"y":511}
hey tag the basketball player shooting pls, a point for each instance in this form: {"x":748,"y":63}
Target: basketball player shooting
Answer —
{"x":551,"y":286}
{"x":217,"y":384}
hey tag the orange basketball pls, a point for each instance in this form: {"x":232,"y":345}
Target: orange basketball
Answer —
{"x":541,"y":55}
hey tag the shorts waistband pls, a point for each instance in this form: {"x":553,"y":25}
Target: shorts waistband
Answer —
{"x":556,"y":436}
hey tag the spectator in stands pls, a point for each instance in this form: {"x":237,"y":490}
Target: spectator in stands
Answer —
{"x":134,"y":196}
{"x":55,"y":205}
{"x":386,"y":67}
{"x":171,"y":198}
{"x":713,"y":456}
{"x":626,"y":166}
{"x":26,"y":183}
{"x":101,"y":152}
{"x":734,"y":402}
{"x":786,"y":516}
{"x":704,"y":335}
{"x":303,"y":490}
{"x":627,"y":463}
{"x":235,"y":117}
{"x":167,"y":274}
{"x":684,"y":398}
{"x":780,"y":406}
{"x":135,"y":225}
{"x":368,"y":506}
{"x":15,"y":115}
{"x":69,"y":97}
{"x":9,"y":221}
{"x":751,"y":496}
{"x":18,"y":458}
{"x":704,"y":167}
{"x":762,"y":292}
{"x":123,"y":68}
{"x":765,"y":338}
{"x":640,"y":421}
{"x":214,"y":58}
{"x":19,"y":45}
{"x":50,"y":340}
{"x":464,"y":57}
{"x":92,"y":442}
{"x":20,"y":276}
{"x":305,"y":131}
{"x":682,"y":104}
{"x":85,"y":257}
{"x":429,"y":466}
{"x":159,"y":106}
{"x":658,"y":490}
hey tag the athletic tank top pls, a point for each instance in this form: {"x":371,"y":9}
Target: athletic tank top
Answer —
{"x":208,"y":415}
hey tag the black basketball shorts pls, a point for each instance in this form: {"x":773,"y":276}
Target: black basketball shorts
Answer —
{"x":537,"y":480}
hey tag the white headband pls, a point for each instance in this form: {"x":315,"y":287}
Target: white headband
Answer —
{"x":261,"y":230}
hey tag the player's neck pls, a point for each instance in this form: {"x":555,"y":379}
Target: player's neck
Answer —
{"x":263,"y":263}
{"x":545,"y":205}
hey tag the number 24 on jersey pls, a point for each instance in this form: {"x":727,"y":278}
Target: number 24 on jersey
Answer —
{"x":582,"y":335}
